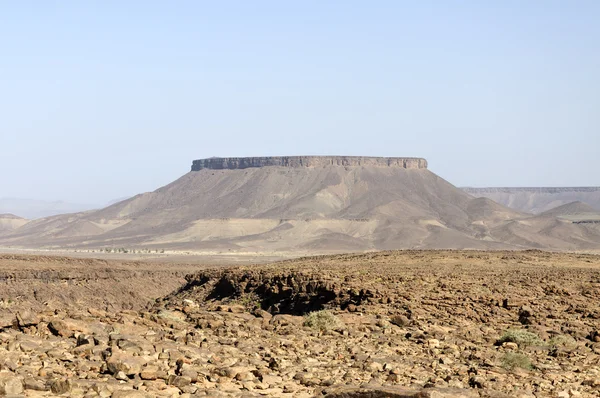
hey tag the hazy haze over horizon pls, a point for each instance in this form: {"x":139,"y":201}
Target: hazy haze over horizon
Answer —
{"x":103,"y":100}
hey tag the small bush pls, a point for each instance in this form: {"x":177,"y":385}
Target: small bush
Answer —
{"x":521,"y":337}
{"x":322,"y":320}
{"x":513,"y":360}
{"x":562,"y":340}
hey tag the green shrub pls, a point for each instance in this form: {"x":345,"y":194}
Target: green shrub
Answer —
{"x":562,"y":340}
{"x":322,"y":320}
{"x":521,"y":337}
{"x":513,"y":360}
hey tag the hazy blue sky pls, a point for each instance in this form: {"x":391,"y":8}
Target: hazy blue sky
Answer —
{"x":104,"y":99}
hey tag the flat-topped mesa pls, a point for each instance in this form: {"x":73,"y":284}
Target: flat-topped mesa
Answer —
{"x":307,"y":161}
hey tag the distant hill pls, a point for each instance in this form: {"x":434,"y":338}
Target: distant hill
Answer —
{"x":539,"y":200}
{"x":574,"y":211}
{"x":306,"y":205}
{"x":32,"y":209}
{"x":10,"y":222}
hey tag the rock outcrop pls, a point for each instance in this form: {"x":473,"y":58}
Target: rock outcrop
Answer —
{"x":307,"y":161}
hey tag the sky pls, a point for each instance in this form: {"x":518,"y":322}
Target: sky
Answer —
{"x":102,"y":100}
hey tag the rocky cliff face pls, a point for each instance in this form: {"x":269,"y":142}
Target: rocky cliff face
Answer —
{"x":307,"y":161}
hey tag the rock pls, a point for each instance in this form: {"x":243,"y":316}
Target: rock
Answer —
{"x":58,"y":327}
{"x":512,"y":302}
{"x":128,"y":364}
{"x":26,"y":319}
{"x":591,"y":382}
{"x":60,"y":386}
{"x":509,"y":345}
{"x":400,"y":320}
{"x":237,"y":309}
{"x":526,"y":315}
{"x":29,"y":383}
{"x":10,"y":384}
{"x":244,"y":376}
{"x":433,"y":343}
{"x":594,"y":336}
{"x":179,"y":381}
{"x":259,"y":313}
{"x":128,"y":394}
{"x":271,"y":380}
{"x":149,"y":373}
{"x":477,"y":382}
{"x":83,"y":339}
{"x":374,"y":366}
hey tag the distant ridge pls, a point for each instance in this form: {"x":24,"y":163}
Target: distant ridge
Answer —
{"x":538,"y":199}
{"x":9,"y":216}
{"x":530,"y":189}
{"x":31,"y":208}
{"x":570,"y":209}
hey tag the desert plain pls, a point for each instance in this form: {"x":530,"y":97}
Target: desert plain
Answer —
{"x":410,"y":323}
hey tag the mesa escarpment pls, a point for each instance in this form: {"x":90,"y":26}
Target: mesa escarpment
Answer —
{"x":307,"y":161}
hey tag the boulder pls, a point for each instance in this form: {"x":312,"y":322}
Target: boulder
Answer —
{"x":128,"y":364}
{"x":10,"y":384}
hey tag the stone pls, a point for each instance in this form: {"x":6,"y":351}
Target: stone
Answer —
{"x":149,"y":373}
{"x":60,"y":386}
{"x":433,"y":343}
{"x":526,"y":315}
{"x":179,"y":381}
{"x":122,"y":362}
{"x":83,"y":339}
{"x":29,"y":383}
{"x":509,"y":345}
{"x":400,"y":320}
{"x":26,"y":319}
{"x":10,"y":384}
{"x":129,"y":394}
{"x":260,"y":313}
{"x":59,"y":327}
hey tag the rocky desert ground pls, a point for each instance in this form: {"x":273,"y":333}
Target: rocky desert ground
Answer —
{"x":385,"y":324}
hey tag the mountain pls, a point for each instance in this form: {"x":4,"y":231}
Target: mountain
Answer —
{"x":304,"y":204}
{"x":539,"y":200}
{"x":31,"y":209}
